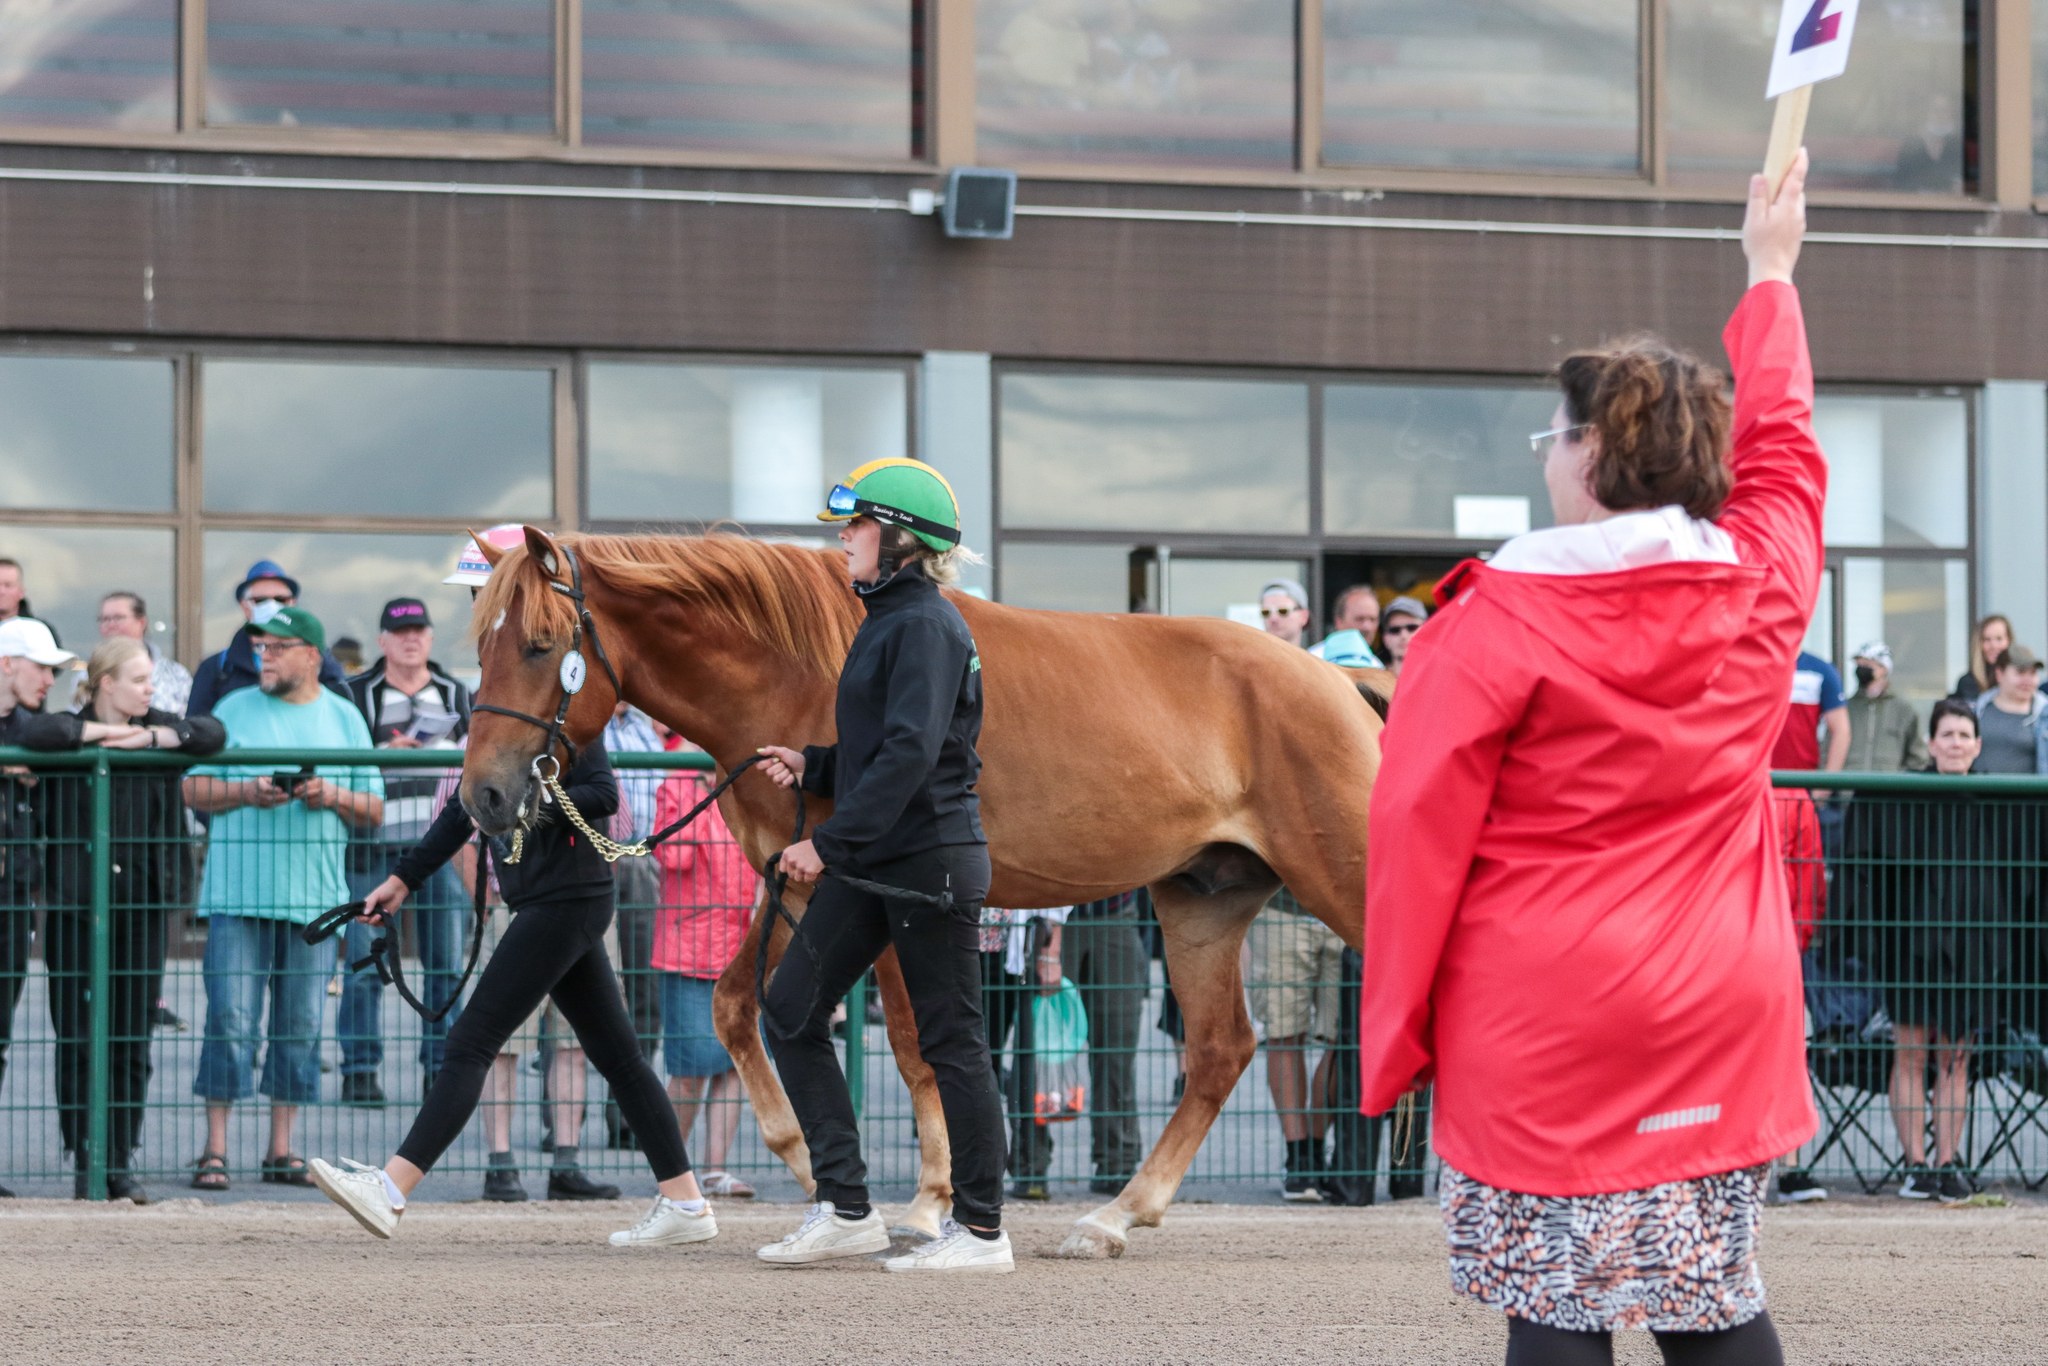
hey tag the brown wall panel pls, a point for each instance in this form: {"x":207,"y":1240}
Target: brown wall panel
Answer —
{"x":297,"y":265}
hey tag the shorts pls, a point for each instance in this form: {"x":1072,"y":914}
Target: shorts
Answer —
{"x":689,"y":1043}
{"x":1297,"y":968}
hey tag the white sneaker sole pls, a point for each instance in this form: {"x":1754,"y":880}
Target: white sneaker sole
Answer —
{"x":344,"y":1197}
{"x":1308,"y":1197}
{"x":869,"y":1243}
{"x":687,"y":1236}
{"x":971,"y":1268}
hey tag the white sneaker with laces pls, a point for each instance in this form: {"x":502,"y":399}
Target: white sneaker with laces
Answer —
{"x":359,"y":1190}
{"x":668,"y":1224}
{"x":823,"y":1235}
{"x":956,"y":1249}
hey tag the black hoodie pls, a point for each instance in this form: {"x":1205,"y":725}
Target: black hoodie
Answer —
{"x":909,"y":713}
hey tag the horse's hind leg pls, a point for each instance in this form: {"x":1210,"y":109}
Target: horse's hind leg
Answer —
{"x":1203,"y":935}
{"x":736,"y":1018}
{"x":934,"y":1199}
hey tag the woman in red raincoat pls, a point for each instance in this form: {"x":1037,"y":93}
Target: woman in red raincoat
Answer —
{"x":1581,"y":937}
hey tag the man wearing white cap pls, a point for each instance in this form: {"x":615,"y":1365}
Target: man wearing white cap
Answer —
{"x":29,"y":660}
{"x":1884,"y":730}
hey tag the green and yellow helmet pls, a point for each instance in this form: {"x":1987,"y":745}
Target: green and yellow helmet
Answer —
{"x":901,"y":492}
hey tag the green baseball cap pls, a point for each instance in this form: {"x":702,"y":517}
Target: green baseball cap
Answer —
{"x":293,"y":623}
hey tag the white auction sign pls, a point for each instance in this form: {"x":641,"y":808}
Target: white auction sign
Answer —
{"x":1813,"y":43}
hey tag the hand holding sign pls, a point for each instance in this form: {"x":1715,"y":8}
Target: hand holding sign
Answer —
{"x":1813,"y":46}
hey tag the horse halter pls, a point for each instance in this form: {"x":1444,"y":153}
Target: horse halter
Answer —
{"x":572,"y":673}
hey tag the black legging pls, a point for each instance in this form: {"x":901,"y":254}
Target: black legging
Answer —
{"x":135,"y":976}
{"x":840,"y":936}
{"x":554,"y":949}
{"x":1754,"y":1343}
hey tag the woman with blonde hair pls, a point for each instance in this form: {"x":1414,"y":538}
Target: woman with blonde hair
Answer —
{"x":1992,"y":638}
{"x":146,"y":852}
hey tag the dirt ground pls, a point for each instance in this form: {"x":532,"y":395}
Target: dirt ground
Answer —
{"x":1854,"y":1281}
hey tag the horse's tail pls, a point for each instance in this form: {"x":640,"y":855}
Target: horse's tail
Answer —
{"x":1376,"y":686}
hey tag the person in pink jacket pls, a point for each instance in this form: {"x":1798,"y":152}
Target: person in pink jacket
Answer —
{"x":1582,"y":938}
{"x":707,"y":902}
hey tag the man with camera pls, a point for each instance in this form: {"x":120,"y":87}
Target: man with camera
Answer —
{"x":278,"y":859}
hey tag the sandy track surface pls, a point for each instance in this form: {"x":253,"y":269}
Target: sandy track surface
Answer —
{"x":1851,"y":1282}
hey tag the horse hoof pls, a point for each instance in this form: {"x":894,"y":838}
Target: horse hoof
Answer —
{"x":910,"y":1236}
{"x":1092,"y":1243}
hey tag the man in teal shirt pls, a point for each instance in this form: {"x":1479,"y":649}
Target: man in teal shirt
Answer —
{"x":276,"y":859}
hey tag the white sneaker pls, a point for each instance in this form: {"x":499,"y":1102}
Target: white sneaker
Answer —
{"x":359,"y":1190}
{"x":668,"y":1224}
{"x":957,"y":1250}
{"x":823,"y":1236}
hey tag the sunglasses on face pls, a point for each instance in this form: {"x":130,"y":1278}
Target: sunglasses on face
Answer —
{"x":281,"y":599}
{"x":1404,"y":630}
{"x":1271,"y":612}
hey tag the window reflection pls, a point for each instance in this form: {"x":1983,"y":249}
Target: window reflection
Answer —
{"x":378,"y":440}
{"x":759,"y":444}
{"x":1898,"y":470}
{"x":1895,"y":121}
{"x":796,"y":76}
{"x":1216,"y":587}
{"x":1090,"y":451}
{"x":1542,"y":85}
{"x":345,"y":579}
{"x":67,"y":570}
{"x":478,"y":66}
{"x":1445,"y":461}
{"x":2041,"y":97}
{"x":1921,"y":608}
{"x":1066,"y":578}
{"x":86,"y":432}
{"x":1149,"y":82}
{"x":90,"y":63}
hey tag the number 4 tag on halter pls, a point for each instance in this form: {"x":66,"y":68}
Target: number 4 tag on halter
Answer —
{"x":573,"y":670}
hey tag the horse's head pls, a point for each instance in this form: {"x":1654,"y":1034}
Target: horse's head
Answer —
{"x":526,"y":626}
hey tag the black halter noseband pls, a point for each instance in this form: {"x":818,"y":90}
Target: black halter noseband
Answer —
{"x":572,"y":673}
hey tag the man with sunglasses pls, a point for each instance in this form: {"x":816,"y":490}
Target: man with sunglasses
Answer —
{"x":1398,"y":625}
{"x":262,"y":591}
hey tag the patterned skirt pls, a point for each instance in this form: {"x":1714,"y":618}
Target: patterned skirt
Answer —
{"x":1679,"y":1257}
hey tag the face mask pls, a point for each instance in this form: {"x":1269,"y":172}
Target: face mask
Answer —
{"x":1865,"y":675}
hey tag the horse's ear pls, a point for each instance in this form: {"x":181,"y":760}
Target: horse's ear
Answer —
{"x":542,"y":547}
{"x":492,"y":555}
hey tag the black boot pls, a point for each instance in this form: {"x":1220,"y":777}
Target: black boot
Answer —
{"x":122,"y":1185}
{"x":502,"y":1184}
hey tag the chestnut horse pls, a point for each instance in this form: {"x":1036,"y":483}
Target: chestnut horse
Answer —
{"x":1204,"y":760}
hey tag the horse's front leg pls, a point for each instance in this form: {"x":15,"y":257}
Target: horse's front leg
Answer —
{"x":736,"y":1018}
{"x":934,"y":1201}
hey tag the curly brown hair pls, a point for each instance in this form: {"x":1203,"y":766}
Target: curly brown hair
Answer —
{"x":1663,"y":418}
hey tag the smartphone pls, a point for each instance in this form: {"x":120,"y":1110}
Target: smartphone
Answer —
{"x":289,"y":781}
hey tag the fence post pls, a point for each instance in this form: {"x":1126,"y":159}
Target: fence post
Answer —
{"x":857,"y":1047}
{"x":100,"y":845}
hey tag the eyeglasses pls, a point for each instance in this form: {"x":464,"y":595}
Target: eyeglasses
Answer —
{"x":281,"y":599}
{"x":1405,"y":630}
{"x":1268,"y":613}
{"x":1536,"y":439}
{"x":271,"y":647}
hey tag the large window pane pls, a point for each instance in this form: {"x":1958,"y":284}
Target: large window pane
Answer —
{"x":1086,"y":451}
{"x":759,"y":444}
{"x":1542,"y":85}
{"x":90,"y":63}
{"x":1204,"y":586}
{"x":344,"y":579}
{"x":1898,"y":470}
{"x":817,"y":77}
{"x":1147,"y":82}
{"x":1067,"y":578}
{"x":67,"y":570}
{"x":1443,"y":461}
{"x":2040,"y":97}
{"x":447,"y":65}
{"x":86,"y":433}
{"x":1921,"y":608}
{"x":1894,"y":122}
{"x":378,"y":440}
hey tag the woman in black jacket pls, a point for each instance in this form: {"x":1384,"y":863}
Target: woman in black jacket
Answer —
{"x":149,"y":876}
{"x":905,"y":815}
{"x":561,"y":895}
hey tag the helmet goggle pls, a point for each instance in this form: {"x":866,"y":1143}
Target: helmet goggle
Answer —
{"x":843,"y":502}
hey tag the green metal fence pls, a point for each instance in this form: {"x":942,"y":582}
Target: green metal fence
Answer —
{"x":1927,"y":893}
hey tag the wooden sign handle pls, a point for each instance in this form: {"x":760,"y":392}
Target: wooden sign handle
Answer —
{"x":1788,"y":130}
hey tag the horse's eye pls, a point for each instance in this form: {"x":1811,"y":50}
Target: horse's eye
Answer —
{"x":536,"y":648}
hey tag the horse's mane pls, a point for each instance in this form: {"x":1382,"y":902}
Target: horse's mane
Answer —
{"x":785,"y":598}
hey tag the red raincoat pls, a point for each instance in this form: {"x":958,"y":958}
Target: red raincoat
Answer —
{"x":1577,"y":919}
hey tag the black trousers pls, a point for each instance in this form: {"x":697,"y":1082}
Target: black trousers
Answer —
{"x":135,"y":968}
{"x":16,"y":928}
{"x":554,"y":949}
{"x":841,"y":935}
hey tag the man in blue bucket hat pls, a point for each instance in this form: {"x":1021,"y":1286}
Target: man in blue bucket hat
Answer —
{"x":262,"y":591}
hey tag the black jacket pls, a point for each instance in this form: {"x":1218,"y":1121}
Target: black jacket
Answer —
{"x":558,"y":863}
{"x":909,"y":713}
{"x":22,"y":800}
{"x":362,"y":690}
{"x":151,"y":870}
{"x":235,"y":668}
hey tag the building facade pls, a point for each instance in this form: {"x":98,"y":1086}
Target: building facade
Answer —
{"x":327,"y":281}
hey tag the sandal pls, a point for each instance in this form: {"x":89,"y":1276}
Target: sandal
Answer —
{"x":726,"y":1186}
{"x":286,"y":1169}
{"x":212,"y":1173}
